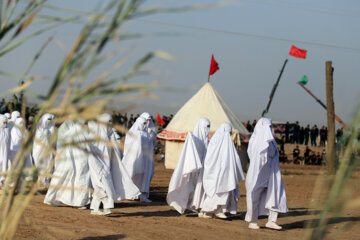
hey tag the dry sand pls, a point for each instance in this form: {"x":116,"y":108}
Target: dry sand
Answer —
{"x":133,"y":220}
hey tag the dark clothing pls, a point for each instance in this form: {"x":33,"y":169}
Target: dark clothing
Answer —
{"x":306,"y":135}
{"x":296,"y":134}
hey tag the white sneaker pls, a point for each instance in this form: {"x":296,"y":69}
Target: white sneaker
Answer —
{"x":106,"y":211}
{"x":273,"y":225}
{"x":96,"y":212}
{"x":205,"y":215}
{"x":221,"y":215}
{"x":254,"y":226}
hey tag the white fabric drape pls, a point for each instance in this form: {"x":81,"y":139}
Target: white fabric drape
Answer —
{"x":185,"y":188}
{"x":110,"y":180}
{"x":17,"y":135}
{"x":139,"y":154}
{"x":222,"y":173}
{"x":70,"y":183}
{"x":264,"y":185}
{"x":41,"y":152}
{"x":12,"y":119}
{"x":4,"y":146}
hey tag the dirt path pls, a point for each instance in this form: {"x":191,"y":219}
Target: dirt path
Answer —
{"x":132,"y":220}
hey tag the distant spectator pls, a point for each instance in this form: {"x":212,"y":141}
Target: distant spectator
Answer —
{"x":249,"y":126}
{"x":307,"y":134}
{"x":282,"y":157}
{"x":318,"y":159}
{"x":302,"y":135}
{"x":313,"y":135}
{"x":296,"y":132}
{"x":253,"y":124}
{"x":296,"y":153}
{"x":323,"y":136}
{"x":339,"y":134}
{"x":287,"y":132}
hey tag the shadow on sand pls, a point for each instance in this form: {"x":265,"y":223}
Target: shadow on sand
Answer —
{"x":109,"y":237}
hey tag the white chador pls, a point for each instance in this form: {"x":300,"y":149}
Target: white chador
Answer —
{"x":265,"y":192}
{"x":186,"y":188}
{"x":14,"y":115}
{"x":222,"y":173}
{"x":41,"y":151}
{"x":17,"y":135}
{"x":110,"y":180}
{"x":139,"y":154}
{"x":70,"y":183}
{"x":4,"y":147}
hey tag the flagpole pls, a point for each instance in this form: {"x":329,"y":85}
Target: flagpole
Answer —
{"x":209,"y":78}
{"x":322,"y":104}
{"x":274,"y":89}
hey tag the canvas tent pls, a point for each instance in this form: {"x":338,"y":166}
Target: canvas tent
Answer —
{"x":205,"y":103}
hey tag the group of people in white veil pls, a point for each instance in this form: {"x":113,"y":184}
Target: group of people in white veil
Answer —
{"x":96,"y":162}
{"x":207,"y":175}
{"x":11,"y":136}
{"x":87,"y":165}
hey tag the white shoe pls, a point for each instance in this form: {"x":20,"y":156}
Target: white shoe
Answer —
{"x":82,"y":208}
{"x":106,"y":211}
{"x":205,"y":215}
{"x":96,"y":212}
{"x":221,"y":215}
{"x":254,"y":226}
{"x":273,"y":225}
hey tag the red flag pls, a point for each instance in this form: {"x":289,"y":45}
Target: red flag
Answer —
{"x":297,"y":52}
{"x":159,"y":119}
{"x":214,"y":66}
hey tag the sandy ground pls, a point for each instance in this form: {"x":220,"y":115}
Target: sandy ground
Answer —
{"x":132,"y":220}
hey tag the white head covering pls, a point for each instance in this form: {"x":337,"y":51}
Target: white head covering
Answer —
{"x":260,"y":140}
{"x":138,"y":126}
{"x":46,"y":122}
{"x":3,"y":121}
{"x":8,"y":116}
{"x":14,"y":116}
{"x":17,"y":135}
{"x":4,"y":145}
{"x":222,"y":166}
{"x":201,"y":134}
{"x":147,"y":116}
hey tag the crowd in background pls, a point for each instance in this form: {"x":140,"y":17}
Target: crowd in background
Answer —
{"x":296,"y":134}
{"x":287,"y":132}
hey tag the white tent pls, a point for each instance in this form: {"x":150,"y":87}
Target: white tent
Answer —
{"x":205,"y":103}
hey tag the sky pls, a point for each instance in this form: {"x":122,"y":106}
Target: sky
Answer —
{"x":250,"y":39}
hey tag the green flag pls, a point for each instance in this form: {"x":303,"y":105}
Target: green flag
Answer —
{"x":304,"y":80}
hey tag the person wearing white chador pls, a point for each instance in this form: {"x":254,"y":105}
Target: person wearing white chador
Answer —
{"x":8,"y":116}
{"x":17,"y":135}
{"x":41,"y":152}
{"x":222,"y":174}
{"x":186,"y":188}
{"x":70,"y":183}
{"x":109,"y":178}
{"x":139,"y":154}
{"x":14,"y":115}
{"x":265,"y":192}
{"x":4,"y":147}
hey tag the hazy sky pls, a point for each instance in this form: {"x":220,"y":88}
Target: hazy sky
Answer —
{"x":250,"y":39}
